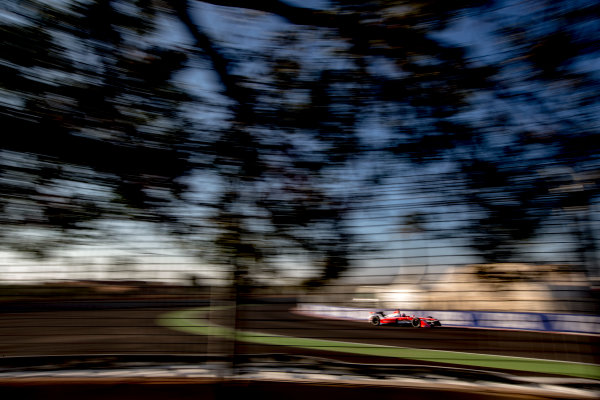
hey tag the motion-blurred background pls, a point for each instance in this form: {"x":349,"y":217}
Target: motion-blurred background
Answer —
{"x":416,"y":155}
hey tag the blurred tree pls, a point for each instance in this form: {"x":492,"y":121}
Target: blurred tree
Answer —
{"x":90,"y":119}
{"x":100,"y":125}
{"x":534,"y":149}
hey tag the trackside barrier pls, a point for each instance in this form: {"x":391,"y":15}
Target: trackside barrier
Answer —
{"x":588,"y":324}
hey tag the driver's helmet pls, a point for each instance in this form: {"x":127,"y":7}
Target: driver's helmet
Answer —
{"x":404,"y":315}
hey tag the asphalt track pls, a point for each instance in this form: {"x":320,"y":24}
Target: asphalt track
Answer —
{"x":136,"y":330}
{"x":274,"y":329}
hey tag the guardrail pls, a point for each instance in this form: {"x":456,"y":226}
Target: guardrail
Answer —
{"x":586,"y":324}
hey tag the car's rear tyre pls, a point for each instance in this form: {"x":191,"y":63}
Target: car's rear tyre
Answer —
{"x":375,"y":321}
{"x":416,"y":322}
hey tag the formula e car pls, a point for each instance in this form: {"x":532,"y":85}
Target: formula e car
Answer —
{"x":401,"y":319}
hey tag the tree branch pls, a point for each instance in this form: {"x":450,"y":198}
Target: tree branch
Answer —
{"x":221,"y":64}
{"x":294,"y":14}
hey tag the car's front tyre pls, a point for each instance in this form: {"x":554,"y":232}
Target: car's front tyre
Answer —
{"x":416,"y":322}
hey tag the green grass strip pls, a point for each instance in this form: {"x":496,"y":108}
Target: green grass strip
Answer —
{"x":192,"y":321}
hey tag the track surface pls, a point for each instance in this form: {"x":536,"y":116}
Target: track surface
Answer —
{"x":94,"y":331}
{"x":551,"y":346}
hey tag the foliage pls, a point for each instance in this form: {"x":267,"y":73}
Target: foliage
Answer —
{"x":103,"y":118}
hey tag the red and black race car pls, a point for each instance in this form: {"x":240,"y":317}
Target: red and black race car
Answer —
{"x":401,"y":319}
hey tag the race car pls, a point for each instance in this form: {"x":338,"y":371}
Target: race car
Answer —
{"x":401,"y":319}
